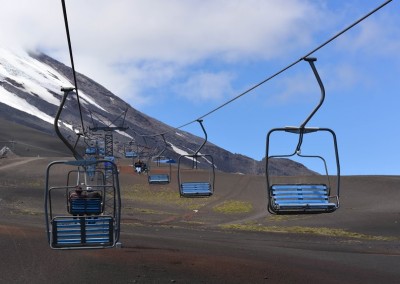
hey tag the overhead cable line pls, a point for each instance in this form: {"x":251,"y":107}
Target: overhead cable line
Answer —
{"x":279,"y":72}
{"x":72,"y":62}
{"x":234,"y":98}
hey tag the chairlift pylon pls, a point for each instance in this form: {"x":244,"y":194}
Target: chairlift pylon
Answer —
{"x":303,"y":197}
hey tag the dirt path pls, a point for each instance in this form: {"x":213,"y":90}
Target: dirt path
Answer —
{"x":14,"y":163}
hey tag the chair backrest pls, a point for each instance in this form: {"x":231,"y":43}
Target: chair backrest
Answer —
{"x":86,"y":206}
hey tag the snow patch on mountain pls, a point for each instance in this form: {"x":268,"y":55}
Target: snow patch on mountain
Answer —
{"x":124,"y":134}
{"x":20,"y":104}
{"x":36,"y":79}
{"x":182,"y":153}
{"x":89,"y":101}
{"x":32,"y":76}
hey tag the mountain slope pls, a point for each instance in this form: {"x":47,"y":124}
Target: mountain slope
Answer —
{"x":30,"y":89}
{"x":29,"y":142}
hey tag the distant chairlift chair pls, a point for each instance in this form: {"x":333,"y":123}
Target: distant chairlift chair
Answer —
{"x":301,"y":198}
{"x":196,"y":188}
{"x":128,"y":151}
{"x":158,"y":174}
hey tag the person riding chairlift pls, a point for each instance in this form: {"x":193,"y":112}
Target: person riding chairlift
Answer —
{"x":89,"y":193}
{"x":77,"y":193}
{"x":140,"y":167}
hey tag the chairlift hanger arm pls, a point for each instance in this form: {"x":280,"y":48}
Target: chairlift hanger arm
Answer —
{"x":311,"y":61}
{"x":302,"y":129}
{"x":163,"y":149}
{"x":63,"y":139}
{"x":200,"y":121}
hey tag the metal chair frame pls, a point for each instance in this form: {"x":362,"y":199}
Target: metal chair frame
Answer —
{"x":295,"y":202}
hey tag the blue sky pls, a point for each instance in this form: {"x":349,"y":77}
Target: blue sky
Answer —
{"x":178,"y":60}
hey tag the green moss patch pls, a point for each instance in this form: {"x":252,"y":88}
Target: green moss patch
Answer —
{"x":233,"y":207}
{"x":161,"y":195}
{"x":322,"y":231}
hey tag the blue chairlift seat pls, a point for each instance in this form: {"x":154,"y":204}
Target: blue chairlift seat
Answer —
{"x":109,"y":165}
{"x":195,"y":189}
{"x":91,"y":170}
{"x":130,"y":154}
{"x":301,"y":197}
{"x":91,"y":167}
{"x":89,"y":232}
{"x":91,"y":151}
{"x":158,"y":179}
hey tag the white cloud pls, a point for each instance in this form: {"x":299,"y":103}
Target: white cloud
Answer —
{"x":171,"y":35}
{"x":31,"y":24}
{"x":206,"y":87}
{"x":131,"y":47}
{"x":294,"y":88}
{"x":185,"y":31}
{"x":378,"y":36}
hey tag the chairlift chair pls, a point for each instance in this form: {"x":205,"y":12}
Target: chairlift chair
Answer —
{"x":92,"y":218}
{"x":128,"y":151}
{"x":196,"y":187}
{"x":91,"y":168}
{"x":303,"y":197}
{"x":159,"y":174}
{"x":130,"y":154}
{"x":91,"y":150}
{"x":143,"y":155}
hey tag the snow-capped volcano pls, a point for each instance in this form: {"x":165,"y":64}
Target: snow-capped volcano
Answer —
{"x":23,"y":74}
{"x":24,"y":78}
{"x":30,"y":95}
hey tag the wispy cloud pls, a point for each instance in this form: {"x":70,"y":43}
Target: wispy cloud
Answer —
{"x":136,"y":47}
{"x":377,"y":36}
{"x":206,"y":87}
{"x":106,"y":35}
